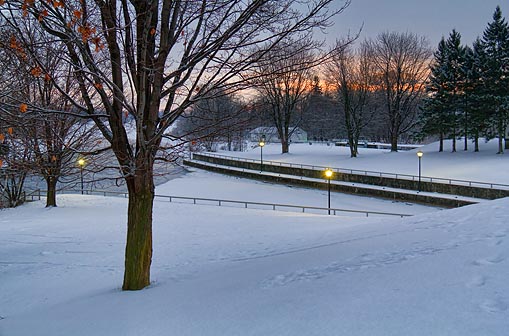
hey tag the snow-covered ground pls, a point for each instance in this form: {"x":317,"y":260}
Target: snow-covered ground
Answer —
{"x":234,"y":271}
{"x":210,"y":185}
{"x":483,"y":166}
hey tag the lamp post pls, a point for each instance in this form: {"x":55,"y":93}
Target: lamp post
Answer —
{"x":261,"y":144}
{"x":419,"y":155}
{"x":328,"y":175}
{"x":81,"y":163}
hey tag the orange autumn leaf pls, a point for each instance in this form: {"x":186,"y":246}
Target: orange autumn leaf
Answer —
{"x":152,"y":31}
{"x":2,"y":137}
{"x":86,"y":32}
{"x":1,"y":163}
{"x":98,"y":45}
{"x":23,"y":108}
{"x":36,"y":71}
{"x":42,"y":15}
{"x":57,"y":4}
{"x":47,"y":77}
{"x":98,"y":86}
{"x":2,"y":2}
{"x":13,"y":43}
{"x":10,"y":130}
{"x":53,"y":158}
{"x":77,"y":14}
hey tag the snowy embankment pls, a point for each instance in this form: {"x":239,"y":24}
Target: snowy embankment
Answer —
{"x":483,"y":166}
{"x":228,"y":271}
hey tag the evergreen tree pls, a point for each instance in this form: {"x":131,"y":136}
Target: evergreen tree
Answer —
{"x":495,"y":72}
{"x":454,"y":55}
{"x":433,"y":119}
{"x":474,"y":98}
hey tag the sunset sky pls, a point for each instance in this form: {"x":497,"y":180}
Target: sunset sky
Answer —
{"x":430,"y":18}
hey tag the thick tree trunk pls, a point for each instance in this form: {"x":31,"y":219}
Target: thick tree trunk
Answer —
{"x":476,"y":143}
{"x":138,"y":252}
{"x":441,"y":143}
{"x":353,"y":147}
{"x":394,"y":143}
{"x":285,"y":146}
{"x":51,"y":194}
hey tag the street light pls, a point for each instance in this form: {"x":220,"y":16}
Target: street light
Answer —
{"x":419,"y":155}
{"x":261,"y":144}
{"x":81,"y":163}
{"x":328,"y":175}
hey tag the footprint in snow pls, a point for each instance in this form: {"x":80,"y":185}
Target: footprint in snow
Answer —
{"x":493,"y":306}
{"x":477,"y":281}
{"x":489,"y":261}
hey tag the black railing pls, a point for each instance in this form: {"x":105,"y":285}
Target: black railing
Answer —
{"x":368,"y":172}
{"x":242,"y":204}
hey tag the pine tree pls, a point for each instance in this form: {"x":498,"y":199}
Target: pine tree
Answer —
{"x":495,"y":72}
{"x":454,"y":53}
{"x":474,"y":98}
{"x":433,"y":117}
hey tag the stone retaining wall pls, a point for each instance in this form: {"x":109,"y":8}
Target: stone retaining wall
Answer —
{"x":390,"y":182}
{"x":388,"y":194}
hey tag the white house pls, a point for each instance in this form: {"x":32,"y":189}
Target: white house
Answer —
{"x":270,"y":134}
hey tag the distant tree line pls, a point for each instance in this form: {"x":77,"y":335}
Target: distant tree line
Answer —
{"x":391,"y":88}
{"x":372,"y":92}
{"x":468,"y":88}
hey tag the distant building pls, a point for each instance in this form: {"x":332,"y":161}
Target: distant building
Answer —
{"x":271,"y":135}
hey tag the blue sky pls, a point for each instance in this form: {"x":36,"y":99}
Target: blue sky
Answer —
{"x":430,"y":18}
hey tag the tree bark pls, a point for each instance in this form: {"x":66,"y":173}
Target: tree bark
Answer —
{"x":506,"y":138}
{"x":394,"y":143}
{"x":441,"y":142}
{"x":285,"y":146}
{"x":51,"y":194}
{"x":353,"y":147}
{"x":138,"y":253}
{"x":501,"y":136}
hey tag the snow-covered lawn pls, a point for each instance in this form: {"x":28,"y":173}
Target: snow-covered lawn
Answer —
{"x":234,"y":271}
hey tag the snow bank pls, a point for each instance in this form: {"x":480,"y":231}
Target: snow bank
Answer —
{"x":219,"y":271}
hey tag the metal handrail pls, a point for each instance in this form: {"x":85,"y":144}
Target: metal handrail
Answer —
{"x":246,"y":204}
{"x":32,"y":194}
{"x":442,"y":180}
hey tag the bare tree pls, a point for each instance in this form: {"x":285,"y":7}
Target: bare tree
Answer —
{"x":284,"y":81}
{"x":220,"y":119}
{"x":30,"y":108}
{"x":401,"y":61}
{"x":353,"y":76}
{"x":15,"y":165}
{"x":151,"y":60}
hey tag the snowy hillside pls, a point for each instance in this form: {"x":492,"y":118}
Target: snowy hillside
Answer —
{"x":228,"y":271}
